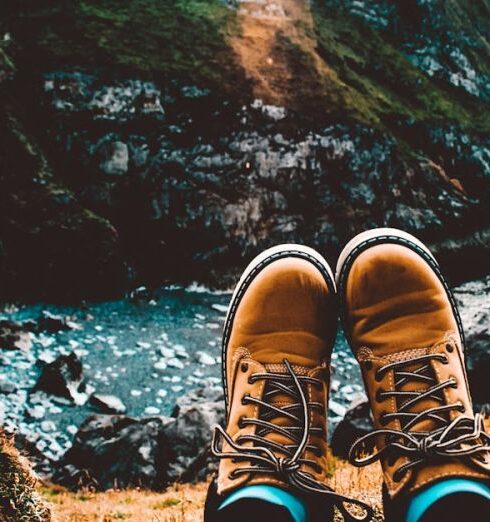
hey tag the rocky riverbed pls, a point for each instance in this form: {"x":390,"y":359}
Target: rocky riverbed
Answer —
{"x":144,"y":372}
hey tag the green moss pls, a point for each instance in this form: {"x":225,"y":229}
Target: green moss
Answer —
{"x":381,"y":84}
{"x":177,"y":39}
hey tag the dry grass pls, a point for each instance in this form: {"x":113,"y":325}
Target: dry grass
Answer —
{"x":19,"y":501}
{"x":184,"y":503}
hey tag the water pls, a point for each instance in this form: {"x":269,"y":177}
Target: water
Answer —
{"x":122,"y":346}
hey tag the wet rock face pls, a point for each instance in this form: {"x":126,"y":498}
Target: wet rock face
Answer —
{"x":198,"y":187}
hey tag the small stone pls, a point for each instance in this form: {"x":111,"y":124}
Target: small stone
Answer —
{"x":220,"y":308}
{"x":205,"y":359}
{"x":36,"y":412}
{"x":151,"y":410}
{"x":7,"y":387}
{"x":175,"y":363}
{"x":107,"y":403}
{"x":48,"y":426}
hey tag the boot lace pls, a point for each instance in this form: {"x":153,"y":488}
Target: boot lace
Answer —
{"x":462,"y":437}
{"x":268,"y":457}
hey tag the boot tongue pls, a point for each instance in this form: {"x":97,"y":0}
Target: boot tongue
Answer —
{"x":413,"y":384}
{"x":281,"y":399}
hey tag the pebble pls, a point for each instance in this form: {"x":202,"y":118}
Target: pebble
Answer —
{"x":205,"y":359}
{"x":175,"y":363}
{"x":151,"y":410}
{"x":220,"y":308}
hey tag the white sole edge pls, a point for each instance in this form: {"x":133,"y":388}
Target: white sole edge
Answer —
{"x":372,"y":235}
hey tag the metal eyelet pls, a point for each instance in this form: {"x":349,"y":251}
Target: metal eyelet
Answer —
{"x":241,"y":423}
{"x":383,"y":420}
{"x":378,"y":395}
{"x":244,"y":399}
{"x":232,"y":475}
{"x":454,"y":383}
{"x":397,"y":476}
{"x":449,"y":348}
{"x":445,"y":360}
{"x":244,"y":367}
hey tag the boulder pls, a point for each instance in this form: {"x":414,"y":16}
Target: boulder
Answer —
{"x":189,"y":440}
{"x":64,"y":378}
{"x":356,"y":423}
{"x":116,"y":451}
{"x":474,"y":305}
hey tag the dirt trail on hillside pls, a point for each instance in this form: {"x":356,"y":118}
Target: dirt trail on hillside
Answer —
{"x":262,"y":46}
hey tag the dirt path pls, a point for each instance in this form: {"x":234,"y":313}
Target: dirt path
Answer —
{"x":261,"y":49}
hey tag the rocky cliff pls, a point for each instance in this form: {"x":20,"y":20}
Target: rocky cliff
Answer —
{"x":170,"y":141}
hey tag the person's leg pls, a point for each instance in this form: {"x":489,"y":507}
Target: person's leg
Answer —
{"x":277,"y":344}
{"x":451,"y":500}
{"x":265,"y":502}
{"x":403,"y":326}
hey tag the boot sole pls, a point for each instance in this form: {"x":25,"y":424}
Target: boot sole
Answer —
{"x":380,"y":236}
{"x":253,"y":269}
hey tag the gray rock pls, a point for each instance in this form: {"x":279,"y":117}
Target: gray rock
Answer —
{"x":7,"y":387}
{"x":116,"y":451}
{"x":107,"y":403}
{"x":64,"y":378}
{"x":189,"y":440}
{"x":114,"y":158}
{"x":474,"y":305}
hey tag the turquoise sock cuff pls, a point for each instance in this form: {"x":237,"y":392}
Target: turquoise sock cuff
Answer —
{"x":422,"y":501}
{"x":295,"y":505}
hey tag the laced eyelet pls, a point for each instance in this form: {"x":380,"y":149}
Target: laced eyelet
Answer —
{"x":251,"y":380}
{"x":245,"y":399}
{"x":378,"y":395}
{"x":317,"y":452}
{"x":244,"y":367}
{"x":368,"y":365}
{"x":445,"y":360}
{"x":461,"y":407}
{"x":449,"y":348}
{"x":232,"y":475}
{"x":397,"y":476}
{"x":241,"y":423}
{"x":454,"y":383}
{"x":383,"y":420}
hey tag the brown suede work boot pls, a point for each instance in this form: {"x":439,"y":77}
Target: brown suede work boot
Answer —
{"x":401,"y":321}
{"x":277,"y":344}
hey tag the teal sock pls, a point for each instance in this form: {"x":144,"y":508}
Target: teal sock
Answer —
{"x":295,"y":505}
{"x":421,"y":502}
